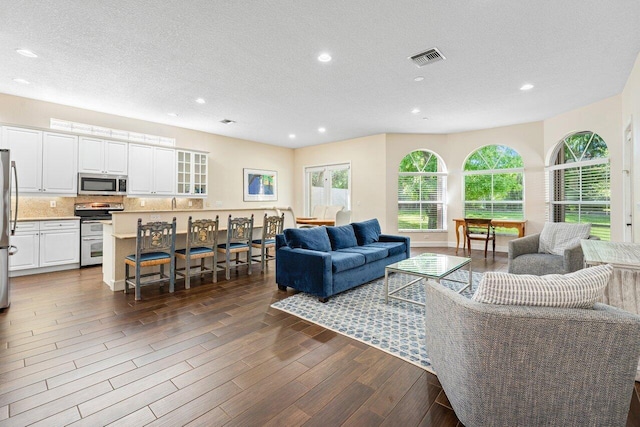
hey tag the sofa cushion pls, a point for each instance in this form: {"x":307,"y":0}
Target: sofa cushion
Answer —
{"x":580,"y":289}
{"x":558,"y":236}
{"x":342,"y":237}
{"x":315,"y":238}
{"x":367,"y":231}
{"x":371,"y":253}
{"x":341,"y":261}
{"x":394,"y":248}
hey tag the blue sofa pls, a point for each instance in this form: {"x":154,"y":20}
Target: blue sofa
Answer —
{"x":324,"y":261}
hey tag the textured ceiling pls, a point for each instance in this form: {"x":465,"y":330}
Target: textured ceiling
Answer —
{"x":255,"y":62}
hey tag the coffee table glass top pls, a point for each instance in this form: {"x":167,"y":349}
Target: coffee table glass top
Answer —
{"x":430,"y":265}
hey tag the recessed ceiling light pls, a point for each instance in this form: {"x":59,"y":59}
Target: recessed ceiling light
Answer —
{"x":425,"y":118}
{"x":27,"y":53}
{"x":418,"y":79}
{"x":200,"y":101}
{"x":292,"y":136}
{"x":227,"y":121}
{"x":22,"y":81}
{"x":172,"y":114}
{"x":415,"y":111}
{"x":324,"y":57}
{"x":527,"y":86}
{"x":322,"y":130}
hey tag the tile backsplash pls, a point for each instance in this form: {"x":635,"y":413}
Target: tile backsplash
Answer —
{"x":40,"y":207}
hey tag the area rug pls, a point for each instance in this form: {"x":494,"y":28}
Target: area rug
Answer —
{"x":361,"y":313}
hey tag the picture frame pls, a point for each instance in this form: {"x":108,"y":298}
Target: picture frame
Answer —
{"x":260,"y":185}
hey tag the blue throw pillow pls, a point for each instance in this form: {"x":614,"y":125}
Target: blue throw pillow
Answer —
{"x":315,"y":238}
{"x":367,"y":231}
{"x":342,"y":237}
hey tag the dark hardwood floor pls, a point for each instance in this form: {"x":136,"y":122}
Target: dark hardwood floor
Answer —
{"x":73,"y":352}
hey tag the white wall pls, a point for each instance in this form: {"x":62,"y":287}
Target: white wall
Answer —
{"x":631,"y":115}
{"x":227,"y":156}
{"x":368,"y":179}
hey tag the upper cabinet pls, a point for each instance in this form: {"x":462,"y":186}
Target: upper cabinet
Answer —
{"x":102,"y":156}
{"x":191,"y":174}
{"x":45,"y":161}
{"x":151,"y":170}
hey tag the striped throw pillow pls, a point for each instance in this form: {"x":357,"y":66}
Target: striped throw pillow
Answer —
{"x":555,"y":237}
{"x":580,"y":289}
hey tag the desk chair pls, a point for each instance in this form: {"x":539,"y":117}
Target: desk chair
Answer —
{"x":480,"y":229}
{"x":202,"y":241}
{"x":271,"y":226}
{"x":239,"y":236}
{"x":155,"y":245}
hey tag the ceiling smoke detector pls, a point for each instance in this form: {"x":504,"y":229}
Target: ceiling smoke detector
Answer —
{"x":427,"y":57}
{"x":227,"y":122}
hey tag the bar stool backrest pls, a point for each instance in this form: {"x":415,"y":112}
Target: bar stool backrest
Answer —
{"x":155,"y":236}
{"x":271,"y":226}
{"x":202,"y":232}
{"x":240,"y":230}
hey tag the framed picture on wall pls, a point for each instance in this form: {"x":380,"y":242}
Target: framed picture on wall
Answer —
{"x":260,"y":185}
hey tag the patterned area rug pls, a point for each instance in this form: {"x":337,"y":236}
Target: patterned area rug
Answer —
{"x":361,"y":313}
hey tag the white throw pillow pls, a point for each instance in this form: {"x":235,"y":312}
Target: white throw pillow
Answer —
{"x":558,"y":236}
{"x":580,"y":289}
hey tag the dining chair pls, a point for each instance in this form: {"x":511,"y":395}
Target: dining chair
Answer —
{"x":202,"y":241}
{"x":480,"y":229}
{"x":155,"y":245}
{"x":271,"y":226}
{"x":343,"y":217}
{"x":239,"y":236}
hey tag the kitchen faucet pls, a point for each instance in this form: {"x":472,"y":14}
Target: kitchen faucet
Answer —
{"x":173,"y":203}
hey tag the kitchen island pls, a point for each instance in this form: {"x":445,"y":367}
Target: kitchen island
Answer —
{"x":119,"y":234}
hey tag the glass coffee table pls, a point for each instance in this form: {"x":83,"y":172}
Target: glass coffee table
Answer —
{"x":425,"y":266}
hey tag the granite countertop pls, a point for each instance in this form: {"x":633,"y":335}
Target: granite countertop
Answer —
{"x":48,"y":218}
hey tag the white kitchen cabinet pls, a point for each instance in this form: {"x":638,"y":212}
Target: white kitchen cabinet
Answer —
{"x":43,"y":244}
{"x":47,"y":162}
{"x":27,"y":240}
{"x":151,"y":170}
{"x":191,"y":177}
{"x":102,"y":156}
{"x":59,"y":243}
{"x":26,"y":151}
{"x":59,"y":163}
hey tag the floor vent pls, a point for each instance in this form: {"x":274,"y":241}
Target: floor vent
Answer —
{"x":427,"y":57}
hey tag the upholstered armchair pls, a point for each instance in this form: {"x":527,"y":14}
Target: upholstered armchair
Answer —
{"x":503,"y":365}
{"x":534,"y":254}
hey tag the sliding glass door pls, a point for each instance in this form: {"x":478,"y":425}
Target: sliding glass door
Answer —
{"x":327,"y":185}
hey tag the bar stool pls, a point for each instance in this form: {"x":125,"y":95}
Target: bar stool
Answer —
{"x":155,"y":244}
{"x":239,"y":235}
{"x":202,"y":241}
{"x":271,"y":226}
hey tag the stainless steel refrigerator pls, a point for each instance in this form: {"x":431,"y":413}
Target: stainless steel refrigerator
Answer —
{"x":6,"y":229}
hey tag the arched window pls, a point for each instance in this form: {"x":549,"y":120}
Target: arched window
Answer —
{"x":494,"y":184}
{"x":422,"y":183}
{"x":580,"y":186}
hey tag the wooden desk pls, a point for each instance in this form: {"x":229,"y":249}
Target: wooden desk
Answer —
{"x":315,"y":221}
{"x":504,"y":223}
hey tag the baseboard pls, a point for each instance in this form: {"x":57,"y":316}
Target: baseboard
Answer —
{"x":18,"y":273}
{"x":479,"y":247}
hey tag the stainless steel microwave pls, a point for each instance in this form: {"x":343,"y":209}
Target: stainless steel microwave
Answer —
{"x":102,"y":184}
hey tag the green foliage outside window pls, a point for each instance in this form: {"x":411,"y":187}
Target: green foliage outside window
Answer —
{"x":492,"y":192}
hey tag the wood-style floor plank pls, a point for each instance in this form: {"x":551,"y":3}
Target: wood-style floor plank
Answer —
{"x":74,"y":353}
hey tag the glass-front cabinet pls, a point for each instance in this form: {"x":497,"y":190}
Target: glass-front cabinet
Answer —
{"x":192,"y":173}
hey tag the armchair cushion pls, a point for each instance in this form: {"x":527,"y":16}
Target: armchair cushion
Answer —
{"x":558,"y":236}
{"x":574,"y":290}
{"x":315,"y":238}
{"x":367,"y":232}
{"x":342,"y":237}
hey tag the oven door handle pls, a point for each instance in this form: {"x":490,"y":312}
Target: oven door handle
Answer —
{"x":89,"y":239}
{"x":92,"y":222}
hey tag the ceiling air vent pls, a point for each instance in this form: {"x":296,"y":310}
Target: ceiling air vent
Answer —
{"x":227,"y":121}
{"x":427,"y":57}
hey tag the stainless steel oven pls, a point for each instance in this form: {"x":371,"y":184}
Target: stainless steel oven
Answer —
{"x":92,"y":216}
